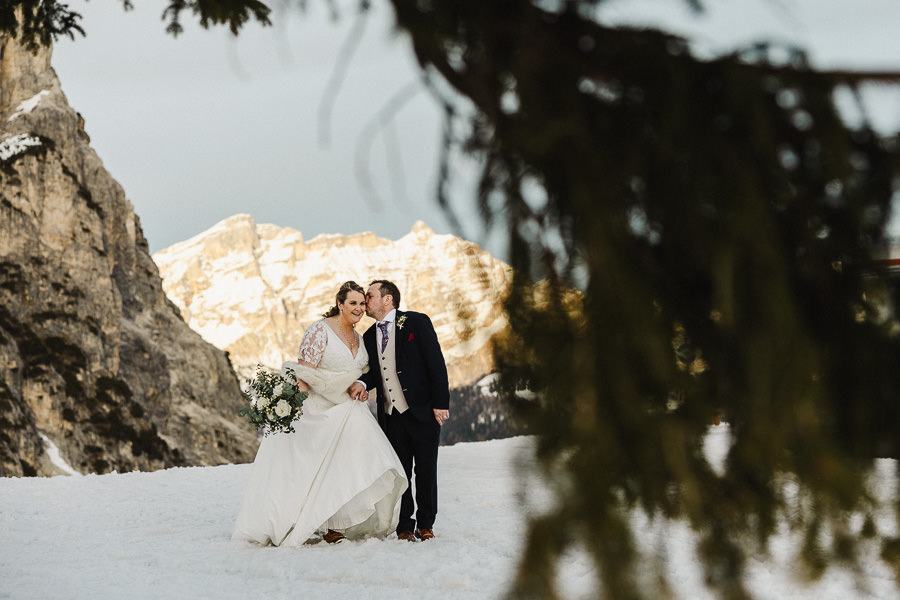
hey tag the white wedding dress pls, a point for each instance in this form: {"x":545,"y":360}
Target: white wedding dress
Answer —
{"x":336,"y":471}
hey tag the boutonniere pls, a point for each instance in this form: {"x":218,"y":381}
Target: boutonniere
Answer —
{"x":401,"y":321}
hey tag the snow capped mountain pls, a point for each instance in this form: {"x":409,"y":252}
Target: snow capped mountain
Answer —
{"x":252,"y":289}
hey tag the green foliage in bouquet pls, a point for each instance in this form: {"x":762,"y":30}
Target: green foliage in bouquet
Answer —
{"x":273,"y":401}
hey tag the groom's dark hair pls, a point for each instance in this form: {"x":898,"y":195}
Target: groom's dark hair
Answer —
{"x":388,"y":287}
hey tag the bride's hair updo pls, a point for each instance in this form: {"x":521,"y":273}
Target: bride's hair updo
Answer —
{"x":341,"y":297}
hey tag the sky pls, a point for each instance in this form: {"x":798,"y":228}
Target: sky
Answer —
{"x":205,"y":126}
{"x":166,"y":535}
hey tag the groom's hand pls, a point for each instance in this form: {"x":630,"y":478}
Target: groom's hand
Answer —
{"x":441,"y":415}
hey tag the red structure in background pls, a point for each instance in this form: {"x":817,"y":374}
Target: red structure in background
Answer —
{"x":887,"y":259}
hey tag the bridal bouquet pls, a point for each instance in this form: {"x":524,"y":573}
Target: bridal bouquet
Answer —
{"x":273,"y":401}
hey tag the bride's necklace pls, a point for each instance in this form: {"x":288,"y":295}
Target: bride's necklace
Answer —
{"x":352,"y":343}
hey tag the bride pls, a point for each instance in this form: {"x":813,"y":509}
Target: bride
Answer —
{"x":337,"y":475}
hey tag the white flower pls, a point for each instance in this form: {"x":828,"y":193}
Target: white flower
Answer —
{"x":254,"y":399}
{"x":271,"y":416}
{"x":283,"y":408}
{"x":278,"y":390}
{"x":262,"y":403}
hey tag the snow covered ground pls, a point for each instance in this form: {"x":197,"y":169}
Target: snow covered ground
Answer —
{"x":167,"y":535}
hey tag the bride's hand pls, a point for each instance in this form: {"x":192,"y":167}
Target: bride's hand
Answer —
{"x":358,"y":391}
{"x":301,"y":385}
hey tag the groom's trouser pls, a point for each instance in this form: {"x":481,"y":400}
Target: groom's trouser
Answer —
{"x":416,"y":444}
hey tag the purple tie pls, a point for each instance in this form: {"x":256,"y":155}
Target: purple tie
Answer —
{"x":384,"y":334}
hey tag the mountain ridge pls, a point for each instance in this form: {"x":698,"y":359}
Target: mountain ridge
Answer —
{"x":93,"y":356}
{"x":252,"y":289}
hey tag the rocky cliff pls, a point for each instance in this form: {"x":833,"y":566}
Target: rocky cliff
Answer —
{"x":253,"y":289}
{"x":92,"y":354}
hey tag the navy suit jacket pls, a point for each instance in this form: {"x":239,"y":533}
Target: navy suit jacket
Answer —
{"x":420,"y":366}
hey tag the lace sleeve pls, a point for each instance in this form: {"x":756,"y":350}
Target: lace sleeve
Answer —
{"x":313,"y":345}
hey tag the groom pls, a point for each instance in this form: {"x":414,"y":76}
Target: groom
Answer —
{"x":407,"y":367}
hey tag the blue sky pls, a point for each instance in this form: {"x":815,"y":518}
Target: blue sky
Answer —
{"x":205,"y":126}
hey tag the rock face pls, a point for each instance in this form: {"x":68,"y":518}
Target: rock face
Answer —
{"x":253,"y":289}
{"x":92,"y":353}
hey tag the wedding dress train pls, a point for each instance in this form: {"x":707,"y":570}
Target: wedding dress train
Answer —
{"x":336,"y":471}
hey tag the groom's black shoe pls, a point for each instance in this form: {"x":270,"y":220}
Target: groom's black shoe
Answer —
{"x":333,"y":537}
{"x":409,"y":536}
{"x":425,"y":534}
